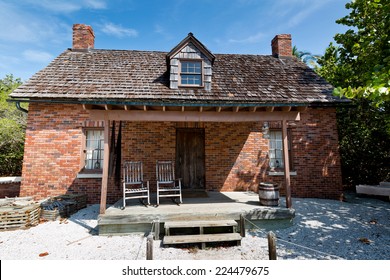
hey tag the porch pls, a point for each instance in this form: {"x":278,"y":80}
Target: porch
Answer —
{"x":192,"y":114}
{"x":206,"y":206}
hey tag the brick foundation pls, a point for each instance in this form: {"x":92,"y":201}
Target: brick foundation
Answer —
{"x":9,"y":189}
{"x":236,"y":154}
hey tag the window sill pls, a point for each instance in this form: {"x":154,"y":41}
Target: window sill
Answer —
{"x":190,"y":86}
{"x":89,"y":175}
{"x":281,"y":173}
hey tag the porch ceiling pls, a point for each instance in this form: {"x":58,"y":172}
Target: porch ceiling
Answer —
{"x":193,"y":113}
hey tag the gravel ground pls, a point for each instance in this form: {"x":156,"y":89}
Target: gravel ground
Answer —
{"x":357,"y":229}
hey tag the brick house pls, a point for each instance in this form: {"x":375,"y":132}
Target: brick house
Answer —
{"x":229,"y":121}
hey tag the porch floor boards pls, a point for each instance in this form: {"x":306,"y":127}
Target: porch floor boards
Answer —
{"x":215,"y":206}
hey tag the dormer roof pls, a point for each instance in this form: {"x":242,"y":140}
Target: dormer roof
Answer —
{"x":185,"y":42}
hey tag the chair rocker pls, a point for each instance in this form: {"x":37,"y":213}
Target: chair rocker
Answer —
{"x":167,"y":184}
{"x":133,"y":183}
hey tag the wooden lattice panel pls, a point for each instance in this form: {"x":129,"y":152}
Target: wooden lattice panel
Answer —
{"x":19,"y":217}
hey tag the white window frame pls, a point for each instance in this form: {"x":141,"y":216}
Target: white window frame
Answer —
{"x":93,"y":150}
{"x":182,"y":73}
{"x":275,"y":150}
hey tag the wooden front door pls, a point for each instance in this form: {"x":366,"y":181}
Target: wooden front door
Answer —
{"x":190,"y":157}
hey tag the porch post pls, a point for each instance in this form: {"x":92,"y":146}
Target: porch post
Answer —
{"x":103,"y":195}
{"x":286,"y":164}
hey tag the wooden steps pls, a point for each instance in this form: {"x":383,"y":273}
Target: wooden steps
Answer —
{"x":203,"y":231}
{"x":201,"y":238}
{"x":189,"y":224}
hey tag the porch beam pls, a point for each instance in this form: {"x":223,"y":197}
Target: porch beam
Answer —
{"x":286,"y":108}
{"x":287,"y":180}
{"x":270,"y":109}
{"x":200,"y":109}
{"x":219,"y":109}
{"x":236,"y":109}
{"x":126,"y":108}
{"x":253,"y":109}
{"x":302,"y":108}
{"x":193,"y":116}
{"x":87,"y":106}
{"x":103,"y":195}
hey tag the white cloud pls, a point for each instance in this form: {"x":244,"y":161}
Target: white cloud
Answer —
{"x":159,"y":29}
{"x":56,"y":6}
{"x":96,"y":4}
{"x":37,"y":56}
{"x":69,"y":6}
{"x":255,"y":38}
{"x":21,"y":26}
{"x":118,"y":30}
{"x":15,"y":25}
{"x":8,"y":60}
{"x":304,"y":13}
{"x":296,"y":11}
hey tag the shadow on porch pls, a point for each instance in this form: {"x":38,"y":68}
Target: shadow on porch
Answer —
{"x":203,"y":206}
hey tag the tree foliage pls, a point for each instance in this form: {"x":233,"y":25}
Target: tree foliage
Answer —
{"x":306,"y":57}
{"x":364,"y":135}
{"x":12,"y":129}
{"x":358,"y":66}
{"x":360,"y":63}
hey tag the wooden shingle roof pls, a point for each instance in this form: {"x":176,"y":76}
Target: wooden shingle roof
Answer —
{"x":126,"y":76}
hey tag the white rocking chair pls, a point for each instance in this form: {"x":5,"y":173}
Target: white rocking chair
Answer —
{"x":134,"y":184}
{"x":167,"y":184}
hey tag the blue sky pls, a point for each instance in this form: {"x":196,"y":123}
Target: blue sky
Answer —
{"x":33,"y":32}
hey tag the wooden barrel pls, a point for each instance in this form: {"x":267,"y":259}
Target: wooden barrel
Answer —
{"x":269,"y":194}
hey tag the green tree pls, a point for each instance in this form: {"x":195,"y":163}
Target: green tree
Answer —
{"x":361,"y":61}
{"x":12,"y":129}
{"x":306,"y":57}
{"x":358,"y":66}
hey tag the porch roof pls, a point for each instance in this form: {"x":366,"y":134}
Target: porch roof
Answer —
{"x":122,"y":77}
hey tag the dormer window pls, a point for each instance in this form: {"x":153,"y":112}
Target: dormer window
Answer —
{"x":191,"y":73}
{"x":190,"y":65}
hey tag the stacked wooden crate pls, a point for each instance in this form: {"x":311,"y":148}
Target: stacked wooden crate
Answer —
{"x":54,"y":209}
{"x":18,"y":217}
{"x":63,"y":206}
{"x":79,"y":199}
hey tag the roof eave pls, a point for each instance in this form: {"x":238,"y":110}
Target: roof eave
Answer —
{"x":186,"y":103}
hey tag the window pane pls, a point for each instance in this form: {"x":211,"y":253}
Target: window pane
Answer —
{"x":279,"y":154}
{"x":278,"y":144}
{"x":94,"y":149}
{"x":276,"y":149}
{"x":191,"y":79}
{"x":191,"y":73}
{"x":191,"y":67}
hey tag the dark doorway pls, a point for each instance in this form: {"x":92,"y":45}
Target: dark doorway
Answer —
{"x":190,"y":157}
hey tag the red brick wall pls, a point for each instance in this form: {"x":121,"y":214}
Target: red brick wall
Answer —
{"x":236,"y":153}
{"x":52,"y":153}
{"x":316,"y":158}
{"x":235,"y":156}
{"x":148,"y":142}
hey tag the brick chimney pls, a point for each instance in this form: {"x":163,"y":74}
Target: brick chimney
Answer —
{"x":83,"y":37}
{"x":281,"y":45}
